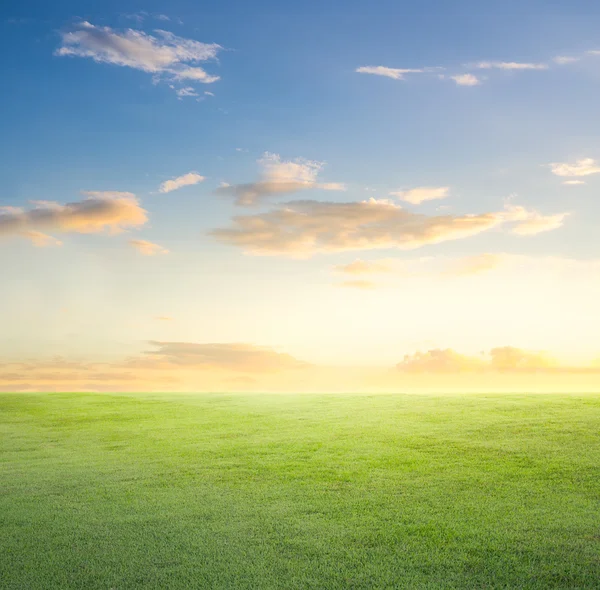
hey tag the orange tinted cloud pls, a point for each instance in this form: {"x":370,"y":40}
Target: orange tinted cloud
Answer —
{"x":363,"y":267}
{"x":147,"y":248}
{"x":232,"y":356}
{"x":101,"y":211}
{"x":305,"y":228}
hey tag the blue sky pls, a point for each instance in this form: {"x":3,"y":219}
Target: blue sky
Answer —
{"x":503,"y":91}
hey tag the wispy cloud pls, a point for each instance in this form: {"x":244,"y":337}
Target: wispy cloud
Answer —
{"x":40,"y":239}
{"x":565,"y":59}
{"x":231,"y":356}
{"x":363,"y":267}
{"x":147,"y":248}
{"x":101,"y":211}
{"x":304,"y":228}
{"x":501,"y":359}
{"x":184,"y":92}
{"x":574,"y":182}
{"x":474,"y":265}
{"x":419,"y":195}
{"x":162,"y":55}
{"x":466,"y":80}
{"x":394,"y":73}
{"x":529,"y":222}
{"x":173,"y":184}
{"x":583,"y":167}
{"x":279,"y":177}
{"x":509,"y":65}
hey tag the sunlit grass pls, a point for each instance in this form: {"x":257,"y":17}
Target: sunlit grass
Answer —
{"x":340,"y":491}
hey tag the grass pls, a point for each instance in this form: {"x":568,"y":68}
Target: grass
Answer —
{"x":312,"y":491}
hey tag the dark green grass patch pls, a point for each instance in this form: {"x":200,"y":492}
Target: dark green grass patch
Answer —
{"x":312,"y":491}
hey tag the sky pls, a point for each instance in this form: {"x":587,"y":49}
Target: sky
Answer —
{"x":383,"y":196}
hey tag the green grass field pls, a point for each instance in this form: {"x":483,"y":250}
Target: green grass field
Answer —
{"x":308,"y":491}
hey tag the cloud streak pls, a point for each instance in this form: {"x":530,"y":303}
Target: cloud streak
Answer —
{"x":305,"y":228}
{"x":230,"y":356}
{"x":416,"y":196}
{"x":147,"y":248}
{"x":101,"y":212}
{"x":394,"y":73}
{"x":164,"y":55}
{"x":279,"y":177}
{"x":501,"y":359}
{"x":188,"y":179}
{"x":583,"y":167}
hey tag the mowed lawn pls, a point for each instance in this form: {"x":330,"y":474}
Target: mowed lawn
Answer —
{"x":307,"y":491}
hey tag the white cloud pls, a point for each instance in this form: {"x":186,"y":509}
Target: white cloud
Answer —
{"x":279,"y":177}
{"x":186,"y":91}
{"x":466,"y":80}
{"x":147,"y":248}
{"x":583,"y":167}
{"x":185,"y":180}
{"x":421,"y":194}
{"x":394,"y":73}
{"x":530,"y":222}
{"x":565,"y":59}
{"x":509,"y":65}
{"x":165,"y":54}
{"x":574,"y":182}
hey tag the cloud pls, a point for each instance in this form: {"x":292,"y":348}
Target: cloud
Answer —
{"x":185,"y":180}
{"x":419,"y":195}
{"x":362,"y":267}
{"x":163,"y":55}
{"x":466,"y":80}
{"x":502,"y":359}
{"x":147,"y":248}
{"x":164,"y":318}
{"x":101,"y":211}
{"x":439,"y":361}
{"x":358,"y":284}
{"x":583,"y":167}
{"x":574,"y":182}
{"x":394,"y":73}
{"x":237,"y":357}
{"x":508,"y":358}
{"x":40,"y":239}
{"x":279,"y":177}
{"x":474,"y":265}
{"x":186,"y":91}
{"x":530,"y":222}
{"x":509,"y":65}
{"x":564,"y":59}
{"x":304,"y":228}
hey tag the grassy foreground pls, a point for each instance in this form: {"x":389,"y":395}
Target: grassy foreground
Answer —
{"x":340,"y":491}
